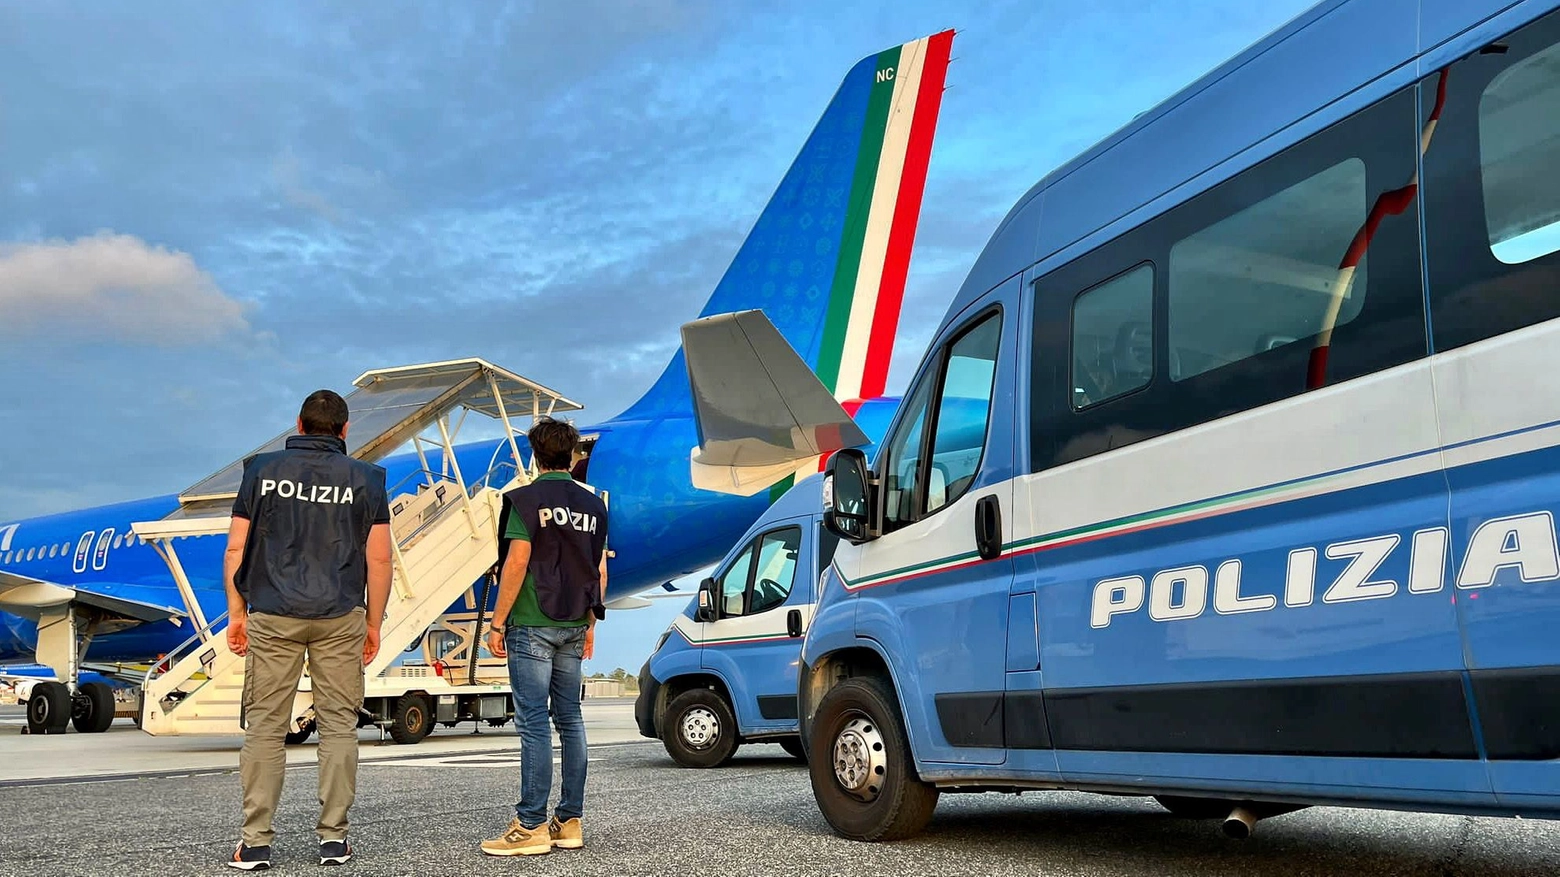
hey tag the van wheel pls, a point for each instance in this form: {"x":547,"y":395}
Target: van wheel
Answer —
{"x":793,"y":747}
{"x":1195,"y":808}
{"x":699,"y":730}
{"x":409,"y":722}
{"x":864,"y":779}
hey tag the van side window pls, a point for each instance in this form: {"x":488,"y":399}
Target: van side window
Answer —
{"x":963,"y":412}
{"x":956,"y":391}
{"x":734,"y":584}
{"x":762,"y":577}
{"x":1492,"y":197}
{"x":1299,"y":272}
{"x":1268,"y":275}
{"x":1113,"y":337}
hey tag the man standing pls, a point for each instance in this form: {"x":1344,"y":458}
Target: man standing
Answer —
{"x":310,"y":534}
{"x":551,"y":588}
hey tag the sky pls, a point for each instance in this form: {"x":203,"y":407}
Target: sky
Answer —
{"x":209,"y":210}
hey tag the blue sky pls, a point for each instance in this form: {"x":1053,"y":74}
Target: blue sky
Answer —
{"x":207,"y":211}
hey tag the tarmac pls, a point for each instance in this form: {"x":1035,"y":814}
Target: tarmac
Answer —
{"x":124,"y":803}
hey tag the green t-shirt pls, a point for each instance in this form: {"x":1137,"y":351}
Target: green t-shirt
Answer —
{"x":527,"y":611}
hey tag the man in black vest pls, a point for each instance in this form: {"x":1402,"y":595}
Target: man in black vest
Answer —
{"x":550,"y":594}
{"x":307,"y":570}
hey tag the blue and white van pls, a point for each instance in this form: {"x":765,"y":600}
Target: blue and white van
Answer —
{"x":724,"y":673}
{"x":1230,"y":476}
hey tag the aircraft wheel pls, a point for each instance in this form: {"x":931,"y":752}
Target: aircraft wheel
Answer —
{"x":293,"y":738}
{"x":92,"y":710}
{"x":48,"y":709}
{"x":410,"y":721}
{"x":699,"y":729}
{"x":864,"y":778}
{"x":793,"y":747}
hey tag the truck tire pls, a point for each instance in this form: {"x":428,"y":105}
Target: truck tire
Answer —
{"x":863,"y":776}
{"x":700,"y":729}
{"x":48,"y":709}
{"x":410,"y":722}
{"x":94,"y":710}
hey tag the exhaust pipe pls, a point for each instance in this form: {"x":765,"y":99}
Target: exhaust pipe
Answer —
{"x":1240,"y":823}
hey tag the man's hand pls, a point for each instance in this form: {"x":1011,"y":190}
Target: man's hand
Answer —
{"x":371,"y":644}
{"x":495,"y":644}
{"x":238,"y":634}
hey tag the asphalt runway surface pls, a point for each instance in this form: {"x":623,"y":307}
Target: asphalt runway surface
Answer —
{"x":424,"y":815}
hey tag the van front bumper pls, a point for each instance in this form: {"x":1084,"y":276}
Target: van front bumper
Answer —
{"x":644,"y":704}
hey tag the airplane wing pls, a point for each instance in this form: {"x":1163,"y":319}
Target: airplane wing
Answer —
{"x":760,"y":410}
{"x":27,"y":597}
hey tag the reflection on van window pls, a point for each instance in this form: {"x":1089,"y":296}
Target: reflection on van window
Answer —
{"x":1519,"y":142}
{"x":963,"y":412}
{"x":903,"y":460}
{"x":1112,"y":338}
{"x":776,"y":571}
{"x":1266,"y":276}
{"x":733,"y":585}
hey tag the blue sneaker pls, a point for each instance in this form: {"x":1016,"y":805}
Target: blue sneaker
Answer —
{"x":250,"y":858}
{"x":335,"y":852}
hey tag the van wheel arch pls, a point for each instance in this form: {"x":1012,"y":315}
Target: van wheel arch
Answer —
{"x":829,"y":671}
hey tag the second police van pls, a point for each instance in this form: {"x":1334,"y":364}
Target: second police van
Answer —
{"x":724,"y":672}
{"x":1231,"y":475}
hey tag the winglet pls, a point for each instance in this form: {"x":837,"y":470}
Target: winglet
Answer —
{"x":761,"y":412}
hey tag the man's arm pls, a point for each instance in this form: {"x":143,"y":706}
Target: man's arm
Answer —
{"x":379,"y":572}
{"x":510,"y":580}
{"x":238,"y":609}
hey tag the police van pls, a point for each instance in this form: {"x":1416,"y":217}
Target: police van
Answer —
{"x":1230,"y":477}
{"x":724,"y":672}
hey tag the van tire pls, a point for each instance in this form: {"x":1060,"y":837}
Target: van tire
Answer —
{"x":793,"y":747}
{"x":707,"y":714}
{"x":901,"y":805}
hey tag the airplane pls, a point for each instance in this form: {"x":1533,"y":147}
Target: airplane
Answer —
{"x":825,"y":263}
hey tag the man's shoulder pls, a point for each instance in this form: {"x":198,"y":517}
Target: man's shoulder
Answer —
{"x":372,"y":471}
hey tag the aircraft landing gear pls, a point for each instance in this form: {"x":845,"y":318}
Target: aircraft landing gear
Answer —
{"x":92,"y":709}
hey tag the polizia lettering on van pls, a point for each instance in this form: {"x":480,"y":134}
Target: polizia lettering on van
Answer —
{"x":1525,"y":544}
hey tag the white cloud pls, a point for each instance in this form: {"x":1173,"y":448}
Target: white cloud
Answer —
{"x":112,"y":286}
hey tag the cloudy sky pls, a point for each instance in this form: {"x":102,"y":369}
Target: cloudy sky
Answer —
{"x":208,"y":210}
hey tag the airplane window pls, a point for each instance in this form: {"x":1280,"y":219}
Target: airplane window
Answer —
{"x":54,"y":551}
{"x":119,"y":541}
{"x":30,"y":552}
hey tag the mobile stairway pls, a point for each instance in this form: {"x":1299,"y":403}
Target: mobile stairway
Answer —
{"x":445,"y":546}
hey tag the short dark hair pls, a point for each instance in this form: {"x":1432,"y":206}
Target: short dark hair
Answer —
{"x":323,"y":413}
{"x":553,"y":442}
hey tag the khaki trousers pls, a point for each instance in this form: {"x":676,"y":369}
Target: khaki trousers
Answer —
{"x":271,"y":671}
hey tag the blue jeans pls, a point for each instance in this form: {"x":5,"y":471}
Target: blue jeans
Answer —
{"x":545,"y":661}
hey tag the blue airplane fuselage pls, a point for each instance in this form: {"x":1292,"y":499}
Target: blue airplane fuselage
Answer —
{"x":660,"y":528}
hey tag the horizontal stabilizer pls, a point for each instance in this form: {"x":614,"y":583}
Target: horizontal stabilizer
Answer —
{"x":28,"y":597}
{"x":760,"y":409}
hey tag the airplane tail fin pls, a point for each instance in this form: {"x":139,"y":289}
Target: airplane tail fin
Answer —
{"x":827,"y":259}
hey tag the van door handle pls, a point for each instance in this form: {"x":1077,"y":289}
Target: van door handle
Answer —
{"x":793,"y":623}
{"x":988,"y":527}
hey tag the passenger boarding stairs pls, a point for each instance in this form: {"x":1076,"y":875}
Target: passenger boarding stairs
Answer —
{"x":442,"y":545}
{"x":444,"y":539}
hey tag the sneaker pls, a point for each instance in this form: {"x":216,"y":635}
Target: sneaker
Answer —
{"x":517,"y":840}
{"x":250,"y":858}
{"x":566,"y":835}
{"x":335,"y":852}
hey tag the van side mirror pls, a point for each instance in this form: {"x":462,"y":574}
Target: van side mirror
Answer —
{"x":705,"y":611}
{"x":847,"y":499}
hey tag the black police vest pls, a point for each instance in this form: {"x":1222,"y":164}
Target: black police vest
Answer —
{"x":568,"y":528}
{"x":310,"y":508}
